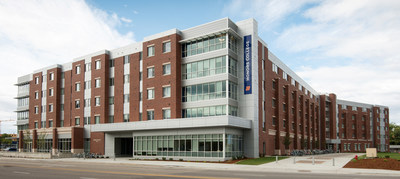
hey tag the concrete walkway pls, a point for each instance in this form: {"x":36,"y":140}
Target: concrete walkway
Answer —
{"x":322,"y":164}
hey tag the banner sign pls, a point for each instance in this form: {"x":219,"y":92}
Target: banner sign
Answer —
{"x":247,"y":64}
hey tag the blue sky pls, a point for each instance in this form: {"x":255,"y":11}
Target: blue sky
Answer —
{"x":345,"y":47}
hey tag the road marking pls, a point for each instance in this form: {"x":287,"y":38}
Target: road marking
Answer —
{"x":26,"y":173}
{"x":121,"y":173}
{"x":86,"y":178}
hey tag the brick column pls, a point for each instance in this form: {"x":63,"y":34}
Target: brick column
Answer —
{"x":55,"y":142}
{"x":34,"y":140}
{"x":21,"y":141}
{"x":77,"y":140}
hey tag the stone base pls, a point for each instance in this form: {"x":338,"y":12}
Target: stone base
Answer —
{"x":20,"y":150}
{"x":34,"y":150}
{"x":287,"y":152}
{"x":76,"y":151}
{"x":277,"y":152}
{"x":54,"y":151}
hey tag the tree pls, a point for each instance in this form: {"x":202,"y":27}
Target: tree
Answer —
{"x":4,"y":141}
{"x":394,"y":134}
{"x":287,"y":141}
{"x":41,"y":141}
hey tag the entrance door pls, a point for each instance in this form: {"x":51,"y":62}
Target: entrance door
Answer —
{"x":123,"y":147}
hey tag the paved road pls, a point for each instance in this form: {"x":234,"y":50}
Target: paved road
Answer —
{"x":43,"y":169}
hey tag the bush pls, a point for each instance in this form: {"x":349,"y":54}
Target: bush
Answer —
{"x":156,"y":158}
{"x":164,"y":158}
{"x":171,"y":159}
{"x":180,"y":159}
{"x":387,"y":156}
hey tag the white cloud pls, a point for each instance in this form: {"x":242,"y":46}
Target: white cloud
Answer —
{"x":126,"y":20}
{"x":268,"y":13}
{"x":135,"y":12}
{"x":365,"y":34}
{"x":35,"y":34}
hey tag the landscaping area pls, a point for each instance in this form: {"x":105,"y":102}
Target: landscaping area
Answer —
{"x":389,"y":161}
{"x":259,"y":161}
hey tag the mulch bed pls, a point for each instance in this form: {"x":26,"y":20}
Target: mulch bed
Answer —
{"x":377,"y":163}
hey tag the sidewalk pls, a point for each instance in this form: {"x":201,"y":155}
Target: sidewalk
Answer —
{"x":323,"y":164}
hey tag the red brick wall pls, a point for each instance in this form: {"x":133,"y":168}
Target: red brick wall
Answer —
{"x":67,"y":97}
{"x":97,"y":142}
{"x":134,"y":87}
{"x":119,"y":89}
{"x":55,"y":99}
{"x":77,"y":137}
{"x":77,"y":95}
{"x":174,"y":79}
{"x":35,"y":102}
{"x":103,"y":91}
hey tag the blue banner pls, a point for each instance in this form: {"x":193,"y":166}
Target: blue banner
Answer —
{"x":247,"y":64}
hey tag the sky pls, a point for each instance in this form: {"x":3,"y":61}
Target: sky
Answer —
{"x":345,"y":47}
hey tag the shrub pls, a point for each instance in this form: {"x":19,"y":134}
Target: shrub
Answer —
{"x":156,"y":158}
{"x":387,"y":156}
{"x":164,"y":158}
{"x":180,"y":159}
{"x":171,"y":159}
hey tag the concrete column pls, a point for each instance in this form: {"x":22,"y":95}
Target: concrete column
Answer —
{"x":54,"y":151}
{"x":34,"y":140}
{"x":21,"y":141}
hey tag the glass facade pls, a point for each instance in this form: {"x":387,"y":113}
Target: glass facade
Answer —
{"x":200,"y":145}
{"x":64,"y":145}
{"x":204,"y":91}
{"x":204,"y":111}
{"x":44,"y":145}
{"x":209,"y":67}
{"x":207,"y":44}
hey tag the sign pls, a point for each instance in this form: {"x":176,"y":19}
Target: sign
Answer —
{"x":247,"y":64}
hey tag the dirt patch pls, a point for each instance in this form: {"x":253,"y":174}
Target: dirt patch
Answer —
{"x":378,"y":163}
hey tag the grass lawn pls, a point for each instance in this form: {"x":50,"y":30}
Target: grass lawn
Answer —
{"x":259,"y":161}
{"x":391,"y":155}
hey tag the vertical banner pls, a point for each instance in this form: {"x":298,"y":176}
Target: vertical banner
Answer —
{"x":247,"y":64}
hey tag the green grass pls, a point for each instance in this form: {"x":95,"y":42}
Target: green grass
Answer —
{"x":391,"y":155}
{"x":259,"y":161}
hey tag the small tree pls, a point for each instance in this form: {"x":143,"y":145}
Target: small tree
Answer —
{"x":41,"y":141}
{"x":287,"y":141}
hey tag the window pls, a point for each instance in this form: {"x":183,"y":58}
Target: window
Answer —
{"x":150,"y":51}
{"x":87,"y":84}
{"x":36,"y":110}
{"x":166,"y":91}
{"x":275,"y":68}
{"x":126,"y":79}
{"x":167,"y":69}
{"x":77,"y":69}
{"x":111,"y":100}
{"x":77,"y":104}
{"x":51,"y":92}
{"x":140,"y":96}
{"x":273,"y":84}
{"x":126,"y":98}
{"x":98,"y":64}
{"x":206,"y":44}
{"x":77,"y":121}
{"x":97,"y":101}
{"x":111,"y":119}
{"x":97,"y":119}
{"x":150,"y":93}
{"x":97,"y":83}
{"x":353,"y":126}
{"x":166,"y":113}
{"x":363,"y":118}
{"x":36,"y":95}
{"x":126,"y":59}
{"x":205,"y":91}
{"x":150,"y":72}
{"x":140,"y":76}
{"x":77,"y":86}
{"x":126,"y":117}
{"x":150,"y":115}
{"x":166,"y":47}
{"x":36,"y":125}
{"x":50,"y":107}
{"x":37,"y":80}
{"x":274,"y":121}
{"x":88,"y":67}
{"x":111,"y":81}
{"x":43,"y":94}
{"x":51,"y":76}
{"x":342,"y":125}
{"x":207,"y":67}
{"x":284,"y":107}
{"x":62,"y":75}
{"x":273,"y":102}
{"x":51,"y":123}
{"x":284,"y":76}
{"x":353,"y":117}
{"x":111,"y":61}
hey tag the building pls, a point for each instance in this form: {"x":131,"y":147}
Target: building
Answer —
{"x":211,"y":92}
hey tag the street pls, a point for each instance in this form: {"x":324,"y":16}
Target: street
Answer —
{"x":22,"y":168}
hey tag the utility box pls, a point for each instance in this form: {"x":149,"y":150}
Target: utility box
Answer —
{"x":371,"y":153}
